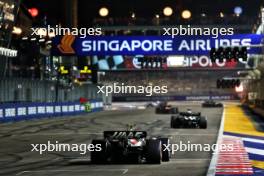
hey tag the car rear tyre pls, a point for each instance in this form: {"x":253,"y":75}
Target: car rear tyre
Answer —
{"x":154,"y":153}
{"x":203,"y":123}
{"x":174,"y":110}
{"x":99,"y":157}
{"x":172,"y":122}
{"x":175,"y":122}
{"x":165,"y":153}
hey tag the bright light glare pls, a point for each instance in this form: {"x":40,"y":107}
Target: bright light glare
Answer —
{"x":167,"y":11}
{"x":186,"y":14}
{"x":222,"y":15}
{"x":17,"y":30}
{"x":133,"y":15}
{"x":175,"y":61}
{"x":103,"y":12}
{"x":240,"y":88}
{"x":238,"y":10}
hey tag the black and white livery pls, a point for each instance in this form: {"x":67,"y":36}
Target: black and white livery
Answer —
{"x":188,"y":119}
{"x":211,"y":104}
{"x":165,"y":108}
{"x":130,"y":146}
{"x":152,"y":104}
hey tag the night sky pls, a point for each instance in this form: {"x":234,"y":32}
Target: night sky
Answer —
{"x":88,"y":9}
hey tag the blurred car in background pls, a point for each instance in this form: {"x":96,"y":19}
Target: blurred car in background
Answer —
{"x":165,"y":108}
{"x":211,"y":104}
{"x":152,"y":104}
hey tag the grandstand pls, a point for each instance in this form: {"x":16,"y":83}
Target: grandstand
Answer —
{"x":178,"y":82}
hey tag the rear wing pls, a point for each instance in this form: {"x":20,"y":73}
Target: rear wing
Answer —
{"x":125,"y":134}
{"x":190,"y":114}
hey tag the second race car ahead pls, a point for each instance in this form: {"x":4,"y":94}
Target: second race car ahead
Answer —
{"x":211,"y":104}
{"x":164,"y":108}
{"x":130,"y":146}
{"x":152,"y":104}
{"x":188,"y":119}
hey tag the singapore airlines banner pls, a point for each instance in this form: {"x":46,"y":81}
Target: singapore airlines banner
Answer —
{"x":150,"y":45}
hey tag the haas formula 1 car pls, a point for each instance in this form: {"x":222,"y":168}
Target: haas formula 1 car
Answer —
{"x":211,"y":104}
{"x":188,"y":119}
{"x":130,"y":146}
{"x":164,"y":108}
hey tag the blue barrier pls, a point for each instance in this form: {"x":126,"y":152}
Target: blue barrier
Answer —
{"x":10,"y":112}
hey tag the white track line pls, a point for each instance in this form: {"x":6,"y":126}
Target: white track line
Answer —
{"x":124,"y":171}
{"x":213,"y":163}
{"x":186,"y":134}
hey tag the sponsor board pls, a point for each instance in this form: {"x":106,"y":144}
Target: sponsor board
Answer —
{"x":131,"y":63}
{"x":176,"y":98}
{"x":149,"y":45}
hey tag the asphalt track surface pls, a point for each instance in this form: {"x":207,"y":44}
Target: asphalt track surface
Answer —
{"x":16,"y":157}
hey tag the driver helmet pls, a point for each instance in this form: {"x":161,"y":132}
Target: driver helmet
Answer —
{"x":189,"y":111}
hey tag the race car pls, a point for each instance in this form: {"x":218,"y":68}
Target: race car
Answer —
{"x":130,"y":146}
{"x":152,"y":104}
{"x":164,"y":108}
{"x":211,"y":104}
{"x":188,"y":119}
